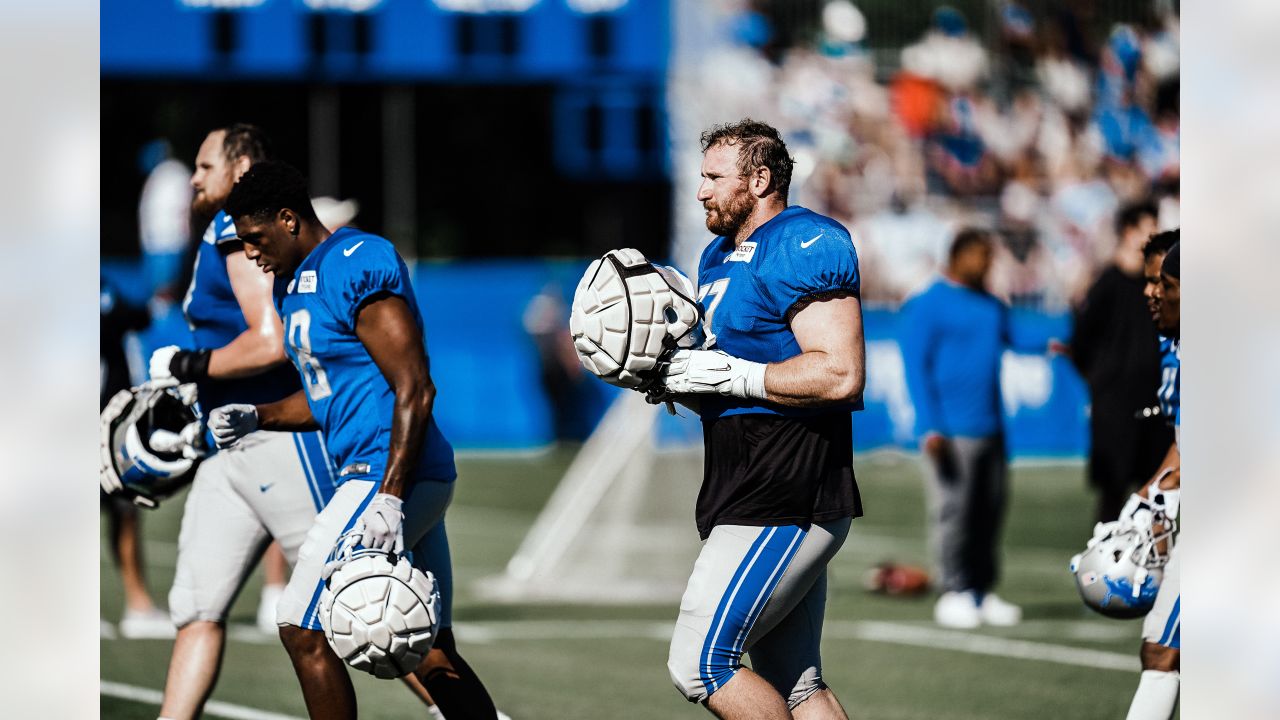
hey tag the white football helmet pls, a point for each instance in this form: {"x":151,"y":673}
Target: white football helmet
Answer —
{"x":380,"y":614}
{"x":151,"y":442}
{"x":1120,"y":571}
{"x":628,"y":314}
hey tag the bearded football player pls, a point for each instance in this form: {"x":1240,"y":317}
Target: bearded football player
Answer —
{"x":776,"y":382}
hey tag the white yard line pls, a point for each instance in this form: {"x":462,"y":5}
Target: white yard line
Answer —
{"x":974,"y":643}
{"x":213,"y":708}
{"x":894,"y":633}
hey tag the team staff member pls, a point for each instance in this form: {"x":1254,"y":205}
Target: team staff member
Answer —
{"x":355,"y":334}
{"x":953,"y":337}
{"x":1115,"y":349}
{"x":776,"y":386}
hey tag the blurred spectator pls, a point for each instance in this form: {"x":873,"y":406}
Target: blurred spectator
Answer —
{"x":953,"y":336}
{"x":164,"y":220}
{"x":901,"y":248}
{"x":1116,"y":350}
{"x":546,"y":319}
{"x":142,"y":619}
{"x":1029,"y":111}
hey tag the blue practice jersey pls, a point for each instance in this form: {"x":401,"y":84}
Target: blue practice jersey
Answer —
{"x":347,"y":393}
{"x":1170,"y":370}
{"x":747,"y":293}
{"x":215,"y":319}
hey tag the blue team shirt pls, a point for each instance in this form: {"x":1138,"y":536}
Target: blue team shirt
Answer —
{"x":746,"y":293}
{"x":215,"y":318}
{"x":1170,"y":370}
{"x":346,"y":391}
{"x":952,"y":340}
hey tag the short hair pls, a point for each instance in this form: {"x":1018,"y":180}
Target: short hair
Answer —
{"x":1171,"y":265}
{"x":267,"y":188}
{"x":1160,"y":243}
{"x":967,"y":238}
{"x":761,"y":146}
{"x":1131,"y":215}
{"x":247,"y":140}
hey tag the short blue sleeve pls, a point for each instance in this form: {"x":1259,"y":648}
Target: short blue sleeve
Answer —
{"x":224,"y":230}
{"x":813,"y":259}
{"x":358,"y":269}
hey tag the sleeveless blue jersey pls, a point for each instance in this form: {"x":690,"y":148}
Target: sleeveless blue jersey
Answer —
{"x":215,"y":319}
{"x":1170,"y":370}
{"x":346,"y":391}
{"x":746,"y":294}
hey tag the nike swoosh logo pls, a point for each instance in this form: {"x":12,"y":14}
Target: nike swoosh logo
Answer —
{"x":811,"y":241}
{"x":266,"y":487}
{"x":352,"y":249}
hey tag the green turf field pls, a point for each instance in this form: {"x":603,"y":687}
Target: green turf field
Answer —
{"x":882,"y":656}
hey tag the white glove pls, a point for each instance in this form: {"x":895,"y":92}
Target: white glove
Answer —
{"x":229,"y":423}
{"x":159,"y":366}
{"x":185,"y":441}
{"x":712,"y":371}
{"x":382,"y":524}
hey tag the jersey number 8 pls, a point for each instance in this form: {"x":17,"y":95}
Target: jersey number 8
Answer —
{"x":299,"y":335}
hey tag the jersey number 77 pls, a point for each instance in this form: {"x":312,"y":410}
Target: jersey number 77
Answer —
{"x":715,"y":291}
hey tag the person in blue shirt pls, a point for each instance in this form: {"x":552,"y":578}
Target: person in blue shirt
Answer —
{"x":952,"y":337}
{"x":272,"y":484}
{"x":776,"y":382}
{"x":1157,"y":692}
{"x":354,"y":332}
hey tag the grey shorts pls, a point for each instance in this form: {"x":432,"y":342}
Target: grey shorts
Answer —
{"x":760,"y":591}
{"x":424,"y":535}
{"x":269,"y":485}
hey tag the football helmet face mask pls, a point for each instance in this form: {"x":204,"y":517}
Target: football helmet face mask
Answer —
{"x":628,"y":314}
{"x":150,"y":442}
{"x":1119,"y":573}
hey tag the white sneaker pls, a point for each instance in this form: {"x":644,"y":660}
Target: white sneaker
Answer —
{"x":997,"y":612}
{"x":267,"y":609}
{"x":153,"y":624}
{"x":957,"y":610}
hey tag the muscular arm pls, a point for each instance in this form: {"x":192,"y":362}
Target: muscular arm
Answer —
{"x":1172,"y":461}
{"x":291,"y":414}
{"x":831,"y":367}
{"x":387,"y":329}
{"x":261,"y":346}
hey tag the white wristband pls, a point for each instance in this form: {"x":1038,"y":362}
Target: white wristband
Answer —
{"x":754,"y":381}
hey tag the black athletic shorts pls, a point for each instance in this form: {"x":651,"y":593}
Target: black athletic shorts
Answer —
{"x":775,"y":470}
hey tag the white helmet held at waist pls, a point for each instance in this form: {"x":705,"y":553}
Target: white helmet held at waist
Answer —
{"x":380,"y":614}
{"x":1119,"y":573}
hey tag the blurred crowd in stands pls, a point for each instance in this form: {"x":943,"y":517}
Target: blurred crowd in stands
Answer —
{"x":1033,"y":127}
